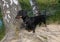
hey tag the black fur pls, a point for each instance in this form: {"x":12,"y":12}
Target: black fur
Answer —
{"x":31,"y":22}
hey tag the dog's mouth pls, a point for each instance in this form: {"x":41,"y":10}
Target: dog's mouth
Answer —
{"x":18,"y":17}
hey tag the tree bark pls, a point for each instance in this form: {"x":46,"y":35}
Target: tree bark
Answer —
{"x":35,"y":7}
{"x":9,"y":11}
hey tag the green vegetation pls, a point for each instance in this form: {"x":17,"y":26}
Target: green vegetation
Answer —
{"x":2,"y":29}
{"x":2,"y":32}
{"x":0,"y":14}
{"x":25,"y":4}
{"x":53,"y":5}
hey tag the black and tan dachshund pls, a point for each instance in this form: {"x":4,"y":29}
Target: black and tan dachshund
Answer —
{"x":31,"y":22}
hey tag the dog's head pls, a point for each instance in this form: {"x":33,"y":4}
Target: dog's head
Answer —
{"x":21,"y":14}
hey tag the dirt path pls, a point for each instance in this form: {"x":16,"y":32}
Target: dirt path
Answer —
{"x":51,"y":33}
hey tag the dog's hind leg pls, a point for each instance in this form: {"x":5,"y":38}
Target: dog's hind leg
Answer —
{"x":45,"y":23}
{"x":33,"y":29}
{"x":39,"y":24}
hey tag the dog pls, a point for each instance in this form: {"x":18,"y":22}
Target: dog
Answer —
{"x":31,"y":22}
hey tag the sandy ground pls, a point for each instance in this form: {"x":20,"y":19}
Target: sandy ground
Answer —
{"x":51,"y":33}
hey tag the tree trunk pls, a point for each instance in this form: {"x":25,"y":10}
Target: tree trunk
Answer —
{"x":35,"y":7}
{"x":9,"y":11}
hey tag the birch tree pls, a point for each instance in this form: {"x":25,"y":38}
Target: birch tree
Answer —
{"x":35,"y":7}
{"x":9,"y":11}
